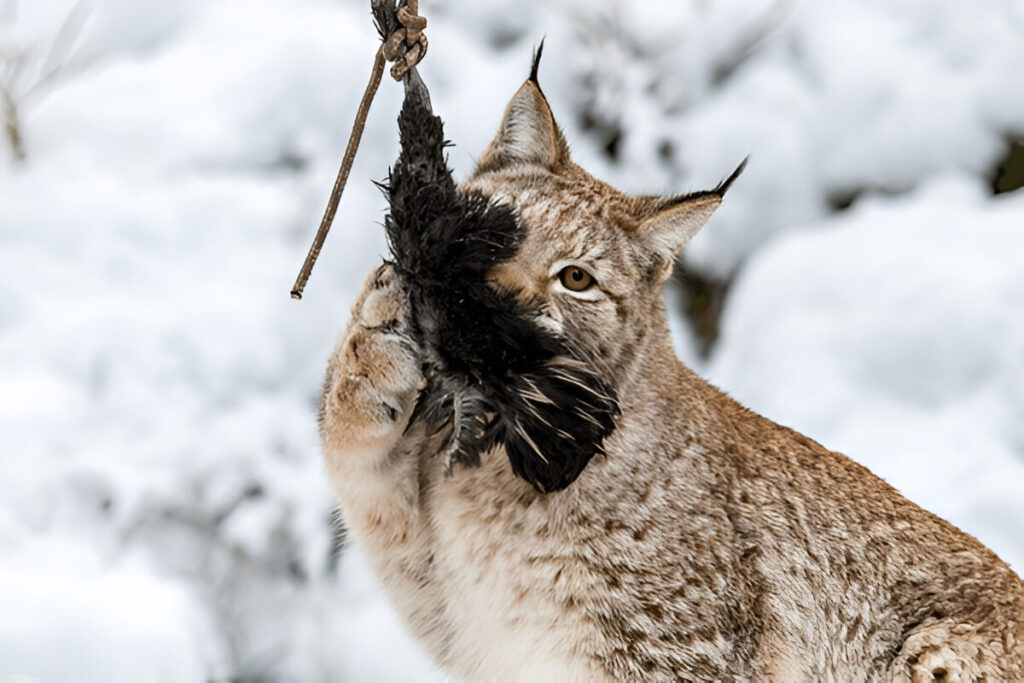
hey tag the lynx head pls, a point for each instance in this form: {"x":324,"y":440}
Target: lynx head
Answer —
{"x":592,"y":260}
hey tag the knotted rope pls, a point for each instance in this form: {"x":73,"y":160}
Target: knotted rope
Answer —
{"x":406,"y":45}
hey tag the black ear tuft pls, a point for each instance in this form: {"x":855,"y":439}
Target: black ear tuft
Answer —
{"x":536,"y":63}
{"x":661,"y":204}
{"x":724,"y":186}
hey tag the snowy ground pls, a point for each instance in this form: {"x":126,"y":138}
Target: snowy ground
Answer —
{"x":163,"y":513}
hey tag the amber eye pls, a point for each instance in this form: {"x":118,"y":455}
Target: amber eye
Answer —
{"x":575,"y":279}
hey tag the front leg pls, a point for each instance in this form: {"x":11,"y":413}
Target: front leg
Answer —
{"x":373,"y":460}
{"x":372,"y":380}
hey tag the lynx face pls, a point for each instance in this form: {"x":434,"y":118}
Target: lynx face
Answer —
{"x":593,"y":259}
{"x":580,"y":265}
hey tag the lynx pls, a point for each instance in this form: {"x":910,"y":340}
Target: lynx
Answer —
{"x":694,"y":539}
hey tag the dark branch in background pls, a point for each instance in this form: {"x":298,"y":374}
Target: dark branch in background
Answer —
{"x":1009,"y":175}
{"x":1005,"y":175}
{"x":704,"y":299}
{"x":20,"y":87}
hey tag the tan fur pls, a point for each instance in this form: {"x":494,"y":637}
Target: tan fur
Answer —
{"x":710,"y":542}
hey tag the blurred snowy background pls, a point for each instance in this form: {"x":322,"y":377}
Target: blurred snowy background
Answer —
{"x":163,"y":513}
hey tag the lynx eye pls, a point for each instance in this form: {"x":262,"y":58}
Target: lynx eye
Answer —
{"x":575,"y":279}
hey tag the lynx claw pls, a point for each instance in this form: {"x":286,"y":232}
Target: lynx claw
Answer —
{"x":391,"y":411}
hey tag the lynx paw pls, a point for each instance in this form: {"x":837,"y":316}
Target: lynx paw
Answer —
{"x":375,"y":372}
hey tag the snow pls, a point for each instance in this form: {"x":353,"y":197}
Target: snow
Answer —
{"x":163,"y":510}
{"x":107,"y":622}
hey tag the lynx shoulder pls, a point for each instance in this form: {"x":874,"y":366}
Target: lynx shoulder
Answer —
{"x":683,"y":536}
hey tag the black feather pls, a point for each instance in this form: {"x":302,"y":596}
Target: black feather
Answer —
{"x":495,"y":375}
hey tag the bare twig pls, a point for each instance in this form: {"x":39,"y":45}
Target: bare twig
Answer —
{"x":409,"y":33}
{"x":57,"y":64}
{"x":12,"y":124}
{"x":342,"y":177}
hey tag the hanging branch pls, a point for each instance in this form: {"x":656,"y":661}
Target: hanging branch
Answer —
{"x":403,"y":43}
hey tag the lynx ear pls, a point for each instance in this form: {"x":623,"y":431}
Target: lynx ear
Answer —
{"x":528,"y":133}
{"x":668,"y":223}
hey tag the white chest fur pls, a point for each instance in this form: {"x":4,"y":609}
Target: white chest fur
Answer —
{"x":502,"y":578}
